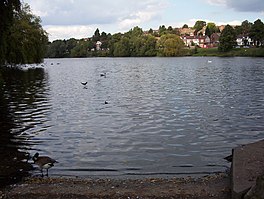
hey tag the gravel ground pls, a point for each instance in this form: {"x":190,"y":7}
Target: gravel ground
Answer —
{"x":212,"y":186}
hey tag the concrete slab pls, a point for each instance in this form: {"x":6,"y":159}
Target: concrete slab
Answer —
{"x":247,"y":165}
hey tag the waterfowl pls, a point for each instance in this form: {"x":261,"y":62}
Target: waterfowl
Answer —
{"x":84,"y":83}
{"x":43,"y":162}
{"x":106,"y":102}
{"x":103,"y":74}
{"x":229,"y":158}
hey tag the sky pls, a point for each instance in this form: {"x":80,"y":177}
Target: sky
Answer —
{"x":65,"y":19}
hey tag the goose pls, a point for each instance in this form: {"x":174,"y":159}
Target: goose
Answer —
{"x":103,"y":74}
{"x":84,"y":83}
{"x":43,"y":162}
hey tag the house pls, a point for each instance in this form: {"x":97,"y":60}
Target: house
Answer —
{"x":244,"y":41}
{"x":201,"y":41}
{"x":98,"y":45}
{"x":215,"y":39}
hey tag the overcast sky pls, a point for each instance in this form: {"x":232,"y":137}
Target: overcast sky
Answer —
{"x":64,"y":19}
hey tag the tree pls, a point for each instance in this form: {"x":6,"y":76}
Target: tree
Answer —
{"x":162,"y":30}
{"x":227,"y":39}
{"x":210,"y":29}
{"x":96,"y":36}
{"x":185,"y":26}
{"x":170,"y":45}
{"x":150,"y":31}
{"x":121,"y":48}
{"x":27,"y":40}
{"x":199,"y":25}
{"x":257,"y":33}
{"x":246,"y":27}
{"x":7,"y":10}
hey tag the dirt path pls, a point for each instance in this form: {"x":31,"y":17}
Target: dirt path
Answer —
{"x":212,"y":186}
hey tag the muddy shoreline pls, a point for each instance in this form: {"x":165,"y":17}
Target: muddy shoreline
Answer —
{"x":215,"y":186}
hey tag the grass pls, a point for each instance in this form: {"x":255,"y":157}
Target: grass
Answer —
{"x":237,"y":52}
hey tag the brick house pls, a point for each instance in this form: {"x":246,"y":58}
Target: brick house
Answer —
{"x":201,"y":41}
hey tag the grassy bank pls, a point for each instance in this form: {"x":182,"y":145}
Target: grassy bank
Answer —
{"x":237,"y":52}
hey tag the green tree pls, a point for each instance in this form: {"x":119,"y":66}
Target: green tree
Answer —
{"x":82,"y":49}
{"x":210,"y":29}
{"x":162,"y":30}
{"x":199,"y":25}
{"x":57,"y":49}
{"x":170,"y":45}
{"x":111,"y":44}
{"x":7,"y":10}
{"x":27,"y":40}
{"x":150,"y":31}
{"x":96,"y":36}
{"x":149,"y":46}
{"x":246,"y":27}
{"x":227,"y":39}
{"x":185,"y":26}
{"x":257,"y":33}
{"x":122,"y":48}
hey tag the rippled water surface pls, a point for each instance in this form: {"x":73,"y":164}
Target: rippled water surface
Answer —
{"x":163,"y":116}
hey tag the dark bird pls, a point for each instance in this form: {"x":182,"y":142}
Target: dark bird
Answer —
{"x":43,"y":162}
{"x":103,"y":74}
{"x":229,"y":158}
{"x":106,"y":102}
{"x":84,"y":83}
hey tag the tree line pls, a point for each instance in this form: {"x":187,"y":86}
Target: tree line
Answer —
{"x":22,"y":38}
{"x":163,"y":42}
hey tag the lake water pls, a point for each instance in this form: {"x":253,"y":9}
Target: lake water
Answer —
{"x":163,"y":117}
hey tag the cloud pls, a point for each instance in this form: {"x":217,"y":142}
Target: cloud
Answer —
{"x":247,"y":6}
{"x":241,"y":5}
{"x":79,"y":18}
{"x":148,"y":12}
{"x":67,"y":32}
{"x":88,"y":12}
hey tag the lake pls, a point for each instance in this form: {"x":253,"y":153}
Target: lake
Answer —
{"x":146,"y":117}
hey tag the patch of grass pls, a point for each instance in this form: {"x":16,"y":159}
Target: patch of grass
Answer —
{"x":237,"y":52}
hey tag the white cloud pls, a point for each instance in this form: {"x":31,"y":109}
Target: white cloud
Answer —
{"x":80,"y":18}
{"x":217,"y":2}
{"x":67,"y":32}
{"x":88,"y":12}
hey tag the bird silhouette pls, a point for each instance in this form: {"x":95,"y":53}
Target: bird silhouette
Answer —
{"x":43,"y":162}
{"x":106,"y":102}
{"x":103,"y":74}
{"x":84,"y":83}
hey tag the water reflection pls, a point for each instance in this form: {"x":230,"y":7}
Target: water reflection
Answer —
{"x":22,"y":99}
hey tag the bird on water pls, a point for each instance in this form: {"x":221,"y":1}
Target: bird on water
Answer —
{"x":103,"y":74}
{"x":43,"y":162}
{"x":84,"y":83}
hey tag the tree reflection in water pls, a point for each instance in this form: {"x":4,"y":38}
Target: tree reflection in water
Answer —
{"x":20,"y":94}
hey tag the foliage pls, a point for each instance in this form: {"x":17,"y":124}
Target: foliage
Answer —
{"x":7,"y":10}
{"x":227,"y":39}
{"x":210,"y":29}
{"x":257,"y":33}
{"x":199,"y":25}
{"x":27,"y":40}
{"x":244,"y":29}
{"x":137,"y":43}
{"x":185,"y":26}
{"x":170,"y":45}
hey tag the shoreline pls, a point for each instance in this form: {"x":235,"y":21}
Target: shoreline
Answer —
{"x":216,"y":186}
